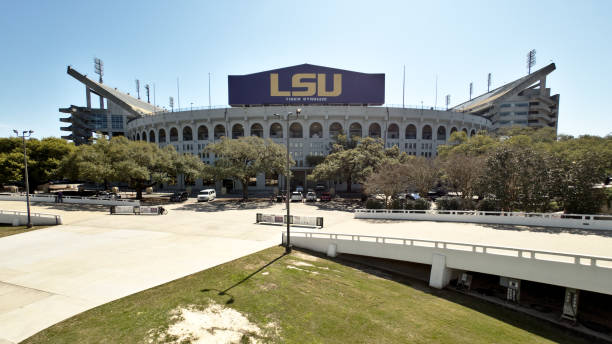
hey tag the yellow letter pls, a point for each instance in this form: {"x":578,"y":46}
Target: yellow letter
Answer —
{"x":296,"y":82}
{"x":322,"y":91}
{"x":274,"y":92}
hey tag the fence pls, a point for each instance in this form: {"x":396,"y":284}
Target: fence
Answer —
{"x":17,"y":218}
{"x":294,"y":220}
{"x":575,"y":221}
{"x":579,"y":271}
{"x":68,"y":199}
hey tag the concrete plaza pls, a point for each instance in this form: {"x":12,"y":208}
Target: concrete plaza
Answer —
{"x":51,"y":274}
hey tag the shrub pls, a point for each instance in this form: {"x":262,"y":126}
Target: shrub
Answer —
{"x":487,"y":205}
{"x":455,"y":203}
{"x":419,"y":204}
{"x":374,"y":204}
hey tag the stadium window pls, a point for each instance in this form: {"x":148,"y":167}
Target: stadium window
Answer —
{"x":522,"y":104}
{"x":504,"y":113}
{"x":505,"y":105}
{"x":117,"y":121}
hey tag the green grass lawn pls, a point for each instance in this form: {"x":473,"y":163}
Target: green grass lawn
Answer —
{"x":6,"y":230}
{"x":326,"y":302}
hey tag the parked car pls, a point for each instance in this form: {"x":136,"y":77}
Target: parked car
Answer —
{"x":325,"y":197}
{"x":299,"y":188}
{"x":411,"y":196}
{"x":179,"y":196}
{"x":320,"y":188}
{"x":296,"y":196}
{"x":311,"y":197}
{"x":207,"y":195}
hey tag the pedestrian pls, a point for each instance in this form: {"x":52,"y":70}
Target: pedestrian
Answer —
{"x":60,"y":197}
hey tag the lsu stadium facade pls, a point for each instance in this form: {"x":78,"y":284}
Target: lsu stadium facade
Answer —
{"x":331,"y":101}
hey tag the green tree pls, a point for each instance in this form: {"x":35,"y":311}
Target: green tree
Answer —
{"x":139,"y":164}
{"x":245,"y":157}
{"x":352,"y":164}
{"x":44,"y":159}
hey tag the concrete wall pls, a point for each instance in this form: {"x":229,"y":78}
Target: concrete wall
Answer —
{"x":20,"y":218}
{"x":567,"y":270}
{"x":597,"y":222}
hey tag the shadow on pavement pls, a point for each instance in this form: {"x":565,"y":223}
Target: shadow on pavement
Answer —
{"x":73,"y":206}
{"x":218,"y":205}
{"x":337,"y":205}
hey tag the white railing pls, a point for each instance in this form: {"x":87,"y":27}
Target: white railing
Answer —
{"x":68,"y":199}
{"x":581,"y":271}
{"x":578,"y":221}
{"x":553,"y":256}
{"x":10,"y":216}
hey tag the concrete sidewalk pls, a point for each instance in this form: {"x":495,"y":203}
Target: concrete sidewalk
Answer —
{"x":52,"y":274}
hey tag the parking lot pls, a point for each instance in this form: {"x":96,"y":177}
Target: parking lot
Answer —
{"x":51,"y":274}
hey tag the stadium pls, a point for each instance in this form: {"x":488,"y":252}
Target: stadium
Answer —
{"x":330,"y":101}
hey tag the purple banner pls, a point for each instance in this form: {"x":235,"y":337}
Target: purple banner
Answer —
{"x":306,"y":84}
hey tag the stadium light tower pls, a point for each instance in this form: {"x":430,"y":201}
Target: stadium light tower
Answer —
{"x":531,"y":60}
{"x":99,"y":69}
{"x":471,"y":89}
{"x":447,"y":101}
{"x":147,"y":89}
{"x":24,"y":134}
{"x":287,"y":180}
{"x":171,"y":103}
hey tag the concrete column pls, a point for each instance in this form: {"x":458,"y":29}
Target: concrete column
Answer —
{"x":88,"y":97}
{"x":440,"y":274}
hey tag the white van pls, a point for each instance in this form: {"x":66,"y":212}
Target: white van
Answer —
{"x":207,"y":195}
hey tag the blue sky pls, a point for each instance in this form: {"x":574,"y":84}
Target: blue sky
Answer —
{"x":158,"y":41}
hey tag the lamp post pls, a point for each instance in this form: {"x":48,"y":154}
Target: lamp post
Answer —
{"x":25,"y":162}
{"x":287,"y":181}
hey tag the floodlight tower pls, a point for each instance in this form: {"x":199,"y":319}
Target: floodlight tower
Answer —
{"x":447,"y":101}
{"x":171,"y":102}
{"x":488,"y":82}
{"x":99,"y":69}
{"x":471,"y":89}
{"x":147,"y":90}
{"x":531,"y":60}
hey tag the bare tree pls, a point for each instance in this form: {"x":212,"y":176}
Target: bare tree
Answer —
{"x":389,"y":180}
{"x":422,"y":174}
{"x":462,"y":172}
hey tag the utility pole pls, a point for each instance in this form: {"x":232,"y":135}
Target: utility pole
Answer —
{"x":287,"y":181}
{"x":25,"y":163}
{"x":209,"y":104}
{"x":404,"y":87}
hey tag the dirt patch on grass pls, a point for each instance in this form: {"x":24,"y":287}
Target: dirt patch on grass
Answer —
{"x":305,"y":256}
{"x":215,"y":324}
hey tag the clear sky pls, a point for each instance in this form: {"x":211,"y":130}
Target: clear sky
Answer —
{"x":158,"y":41}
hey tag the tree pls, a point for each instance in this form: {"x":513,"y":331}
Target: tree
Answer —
{"x":462,"y":172}
{"x":245,"y":157}
{"x":423,"y":174}
{"x":389,"y":180}
{"x":351,"y":165}
{"x":139,"y":164}
{"x":44,"y":159}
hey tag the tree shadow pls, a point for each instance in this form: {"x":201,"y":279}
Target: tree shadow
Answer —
{"x":344,"y":205}
{"x":549,"y":230}
{"x":221,"y":205}
{"x":73,"y":206}
{"x":226,"y":290}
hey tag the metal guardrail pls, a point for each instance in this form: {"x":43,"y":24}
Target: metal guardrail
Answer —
{"x":490,"y":213}
{"x":56,"y":218}
{"x":551,"y":256}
